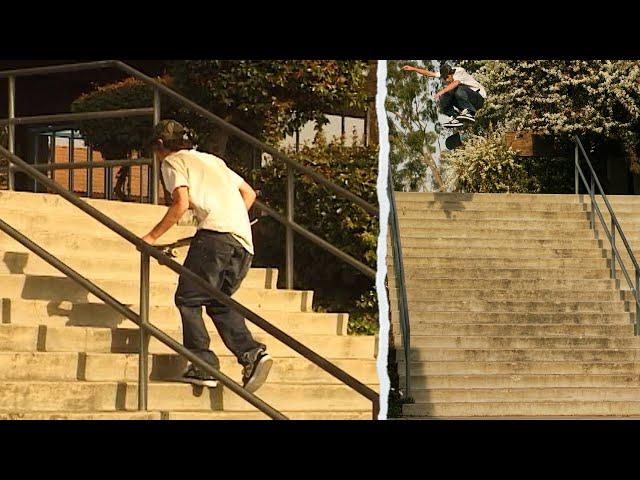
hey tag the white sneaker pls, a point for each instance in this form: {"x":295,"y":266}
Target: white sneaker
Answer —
{"x":466,"y":116}
{"x":453,"y":123}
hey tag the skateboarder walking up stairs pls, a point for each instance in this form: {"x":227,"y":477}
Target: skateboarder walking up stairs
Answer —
{"x":461,"y":98}
{"x":220,"y":252}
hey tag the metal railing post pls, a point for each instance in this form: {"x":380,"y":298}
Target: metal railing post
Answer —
{"x":11,"y":130}
{"x":51,"y":159}
{"x":593,"y":196}
{"x":635,"y":299}
{"x":143,"y":353}
{"x":613,"y":249}
{"x":576,"y":170}
{"x":89,"y":172}
{"x":154,"y":167}
{"x":71,"y":172}
{"x":290,"y":218}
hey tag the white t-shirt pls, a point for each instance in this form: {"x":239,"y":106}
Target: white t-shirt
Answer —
{"x":214,"y":193}
{"x":464,"y":78}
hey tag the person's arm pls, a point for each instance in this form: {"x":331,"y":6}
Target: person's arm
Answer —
{"x":421,"y":71}
{"x":179,"y":205}
{"x":448,"y":88}
{"x":248,"y":194}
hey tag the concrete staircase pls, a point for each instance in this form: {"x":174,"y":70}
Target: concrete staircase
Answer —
{"x":66,"y":355}
{"x":512,"y":307}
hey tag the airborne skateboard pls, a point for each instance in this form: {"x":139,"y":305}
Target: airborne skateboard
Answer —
{"x":170,"y":249}
{"x":458,"y":137}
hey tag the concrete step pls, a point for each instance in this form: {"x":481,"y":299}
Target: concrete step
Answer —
{"x":523,"y":409}
{"x":128,"y":291}
{"x":521,"y":330}
{"x":492,"y":215}
{"x":107,"y":243}
{"x":506,"y":306}
{"x":530,"y":394}
{"x":455,"y":243}
{"x":524,"y":355}
{"x":445,"y":230}
{"x":182,"y":415}
{"x":89,"y":264}
{"x":103,"y":367}
{"x":535,"y":198}
{"x":303,"y":398}
{"x":421,"y":317}
{"x":497,"y":263}
{"x":63,"y":415}
{"x":586,"y":272}
{"x":528,"y":367}
{"x":496,"y":206}
{"x":162,"y":294}
{"x":38,"y":366}
{"x":498,"y":224}
{"x":228,"y":415}
{"x":479,"y":342}
{"x":503,"y":252}
{"x":121,"y":340}
{"x":558,"y":285}
{"x":40,"y":221}
{"x":107,"y":367}
{"x":418,"y":296}
{"x":80,"y":396}
{"x":31,"y":202}
{"x":479,"y":381}
{"x":60,"y":314}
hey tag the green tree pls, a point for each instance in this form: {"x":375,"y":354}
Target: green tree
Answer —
{"x":268,"y":99}
{"x":337,"y":285}
{"x":413,"y":125}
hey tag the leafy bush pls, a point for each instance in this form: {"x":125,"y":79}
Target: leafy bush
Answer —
{"x":115,"y":138}
{"x":485,"y":165}
{"x":338,"y":286}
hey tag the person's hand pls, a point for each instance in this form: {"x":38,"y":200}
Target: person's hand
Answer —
{"x":408,"y":68}
{"x":149,"y":239}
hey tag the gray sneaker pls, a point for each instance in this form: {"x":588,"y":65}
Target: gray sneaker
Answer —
{"x":257,"y":364}
{"x":196,"y":376}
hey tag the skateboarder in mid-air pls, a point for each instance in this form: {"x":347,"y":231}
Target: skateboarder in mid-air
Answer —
{"x":220,"y":252}
{"x":461,"y":98}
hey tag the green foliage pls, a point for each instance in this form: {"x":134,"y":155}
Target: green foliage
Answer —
{"x":413,"y":128}
{"x":271,"y":99}
{"x":338,"y":286}
{"x":116,"y":138}
{"x":485,"y":165}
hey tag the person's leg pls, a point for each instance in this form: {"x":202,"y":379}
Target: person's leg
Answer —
{"x":467,"y":99}
{"x":231,"y":324}
{"x":189,"y":299}
{"x":446,"y":103}
{"x":232,"y":327}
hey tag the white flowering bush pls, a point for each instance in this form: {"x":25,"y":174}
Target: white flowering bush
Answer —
{"x":598,"y":100}
{"x":484,"y":165}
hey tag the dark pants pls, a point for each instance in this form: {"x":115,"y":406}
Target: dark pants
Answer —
{"x":461,"y":97}
{"x":223,"y":262}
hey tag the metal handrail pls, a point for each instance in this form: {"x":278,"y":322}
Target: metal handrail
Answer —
{"x":398,"y":269}
{"x":161,"y":88}
{"x":615,"y":225}
{"x":148,"y":251}
{"x":147,"y":327}
{"x":103,"y":164}
{"x":78,"y":117}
